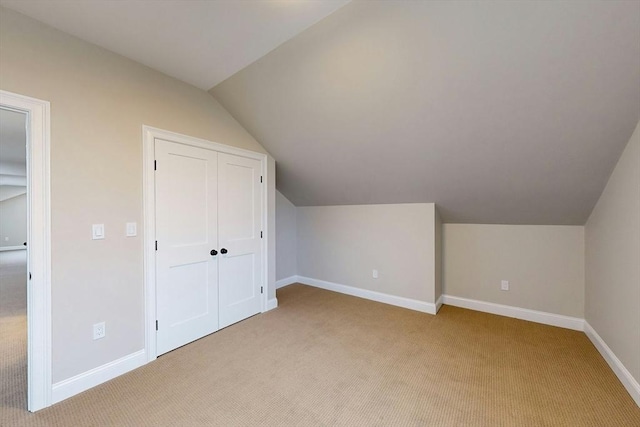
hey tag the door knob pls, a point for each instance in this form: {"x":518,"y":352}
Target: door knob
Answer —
{"x":223,"y":251}
{"x":213,"y":252}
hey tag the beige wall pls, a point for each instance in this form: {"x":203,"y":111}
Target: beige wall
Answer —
{"x":99,"y":102}
{"x":343,"y":244}
{"x":286,"y":245}
{"x":613,"y":260}
{"x":13,"y":221}
{"x":543,"y":264}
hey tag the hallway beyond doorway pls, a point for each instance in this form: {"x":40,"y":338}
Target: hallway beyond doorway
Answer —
{"x":13,"y":329}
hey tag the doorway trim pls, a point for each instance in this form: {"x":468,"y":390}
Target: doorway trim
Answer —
{"x":149,"y":135}
{"x":39,"y":384}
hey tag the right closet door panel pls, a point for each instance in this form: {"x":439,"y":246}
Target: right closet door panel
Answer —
{"x":240,"y":240}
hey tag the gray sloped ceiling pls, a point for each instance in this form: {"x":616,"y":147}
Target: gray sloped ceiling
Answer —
{"x":499,"y":112}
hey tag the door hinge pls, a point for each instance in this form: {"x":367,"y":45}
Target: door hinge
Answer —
{"x":261,"y":290}
{"x":156,"y":325}
{"x":155,"y":165}
{"x":260,"y":178}
{"x":156,"y":245}
{"x":29,"y":275}
{"x":261,"y":234}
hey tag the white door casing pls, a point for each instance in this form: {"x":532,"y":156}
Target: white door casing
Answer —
{"x":240,"y":234}
{"x":186,"y":217}
{"x":260,"y":165}
{"x":39,"y":387}
{"x":149,"y":136}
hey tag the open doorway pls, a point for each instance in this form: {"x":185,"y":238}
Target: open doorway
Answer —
{"x":25,"y":256}
{"x":13,"y":258}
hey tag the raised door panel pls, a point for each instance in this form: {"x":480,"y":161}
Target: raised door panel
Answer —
{"x":186,"y":231}
{"x":240,"y":225}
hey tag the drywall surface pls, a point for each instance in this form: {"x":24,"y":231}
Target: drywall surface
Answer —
{"x":543,"y":264}
{"x":502,"y":112}
{"x":286,"y":251}
{"x":99,"y":102}
{"x":343,"y":244}
{"x":13,"y":221}
{"x":613,"y":260}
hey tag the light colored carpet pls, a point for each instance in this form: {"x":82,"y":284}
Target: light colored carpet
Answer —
{"x":324,"y":358}
{"x":13,"y":331}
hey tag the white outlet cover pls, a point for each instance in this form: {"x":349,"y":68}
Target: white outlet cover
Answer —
{"x":375,"y":274}
{"x":504,"y":285}
{"x":99,"y":330}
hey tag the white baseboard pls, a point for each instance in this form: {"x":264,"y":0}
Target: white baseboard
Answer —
{"x":409,"y":303}
{"x":74,"y":385}
{"x":286,"y":281}
{"x":616,"y":365}
{"x":271,"y":304}
{"x":439,"y":303}
{"x":543,"y":317}
{"x":13,"y":248}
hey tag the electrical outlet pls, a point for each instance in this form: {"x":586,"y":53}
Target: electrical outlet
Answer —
{"x":99,"y":331}
{"x":375,"y":274}
{"x":504,"y":285}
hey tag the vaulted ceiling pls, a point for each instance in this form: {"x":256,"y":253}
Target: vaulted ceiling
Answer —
{"x":201,"y":42}
{"x":498,"y":111}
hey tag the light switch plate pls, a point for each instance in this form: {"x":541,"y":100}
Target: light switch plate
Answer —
{"x":98,"y":231}
{"x":132,"y":229}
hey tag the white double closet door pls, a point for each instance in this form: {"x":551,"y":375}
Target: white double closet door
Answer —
{"x":209,"y":251}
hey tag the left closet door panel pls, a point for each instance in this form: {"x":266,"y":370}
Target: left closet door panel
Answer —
{"x":186,"y":233}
